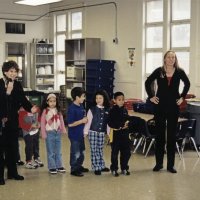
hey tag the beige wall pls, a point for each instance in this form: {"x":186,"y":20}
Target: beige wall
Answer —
{"x":100,"y":22}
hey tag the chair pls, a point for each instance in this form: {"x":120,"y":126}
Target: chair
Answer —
{"x":186,"y":132}
{"x":150,"y":135}
{"x":136,"y":131}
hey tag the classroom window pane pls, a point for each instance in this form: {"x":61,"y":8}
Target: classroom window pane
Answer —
{"x":61,"y":42}
{"x":181,"y":9}
{"x":76,"y":21}
{"x":61,"y":23}
{"x":155,"y":11}
{"x":183,"y":60}
{"x":154,"y":37}
{"x":180,"y":35}
{"x":153,"y":60}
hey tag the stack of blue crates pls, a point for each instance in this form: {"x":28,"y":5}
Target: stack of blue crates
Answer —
{"x":99,"y":75}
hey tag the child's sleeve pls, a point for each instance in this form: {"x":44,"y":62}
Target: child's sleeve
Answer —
{"x":62,"y":124}
{"x":88,"y":124}
{"x":43,"y":125}
{"x":22,"y":121}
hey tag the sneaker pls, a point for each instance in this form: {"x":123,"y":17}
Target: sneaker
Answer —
{"x":19,"y":162}
{"x":105,"y":169}
{"x":115,"y":173}
{"x":53,"y":171}
{"x":61,"y":170}
{"x":83,"y":169}
{"x":31,"y":165}
{"x":39,"y":162}
{"x":125,"y":172}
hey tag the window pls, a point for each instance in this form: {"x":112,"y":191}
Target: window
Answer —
{"x":167,"y":26}
{"x":68,"y":25}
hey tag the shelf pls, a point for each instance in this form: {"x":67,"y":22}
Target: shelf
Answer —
{"x":44,"y":63}
{"x":39,"y":75}
{"x":75,"y":81}
{"x":44,"y":84}
{"x":44,"y":54}
{"x":42,"y":60}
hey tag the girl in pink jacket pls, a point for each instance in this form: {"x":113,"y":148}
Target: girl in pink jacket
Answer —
{"x":52,"y":125}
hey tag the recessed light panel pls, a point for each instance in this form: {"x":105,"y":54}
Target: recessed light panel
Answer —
{"x":36,"y":2}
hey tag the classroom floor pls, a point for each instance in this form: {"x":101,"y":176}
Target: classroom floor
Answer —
{"x":142,"y":184}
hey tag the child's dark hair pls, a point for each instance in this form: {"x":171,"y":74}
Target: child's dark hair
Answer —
{"x":45,"y":102}
{"x":116,"y":94}
{"x":77,"y":92}
{"x":106,"y":99}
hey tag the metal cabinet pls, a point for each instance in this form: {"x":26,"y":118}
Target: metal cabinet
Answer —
{"x":42,"y":66}
{"x":77,"y":52}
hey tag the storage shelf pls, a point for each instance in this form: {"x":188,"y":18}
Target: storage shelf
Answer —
{"x":77,"y":52}
{"x":44,"y":84}
{"x":42,"y":56}
{"x":39,"y":75}
{"x":44,"y":63}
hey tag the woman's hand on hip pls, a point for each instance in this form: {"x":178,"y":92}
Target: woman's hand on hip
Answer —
{"x":154,"y":100}
{"x":179,"y":101}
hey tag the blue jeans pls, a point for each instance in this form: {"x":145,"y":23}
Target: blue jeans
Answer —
{"x":76,"y":154}
{"x":53,"y":145}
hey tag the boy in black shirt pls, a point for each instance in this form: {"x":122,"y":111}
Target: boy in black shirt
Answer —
{"x":119,"y":135}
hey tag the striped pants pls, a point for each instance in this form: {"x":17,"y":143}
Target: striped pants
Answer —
{"x":96,"y":140}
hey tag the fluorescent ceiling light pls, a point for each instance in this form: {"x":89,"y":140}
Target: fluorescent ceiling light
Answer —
{"x":36,"y":2}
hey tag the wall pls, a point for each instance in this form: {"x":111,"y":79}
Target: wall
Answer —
{"x":34,"y":29}
{"x":100,"y":22}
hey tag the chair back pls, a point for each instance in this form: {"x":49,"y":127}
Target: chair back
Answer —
{"x":186,"y":128}
{"x":151,"y":126}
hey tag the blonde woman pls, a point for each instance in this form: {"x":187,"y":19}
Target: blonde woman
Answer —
{"x":167,"y":100}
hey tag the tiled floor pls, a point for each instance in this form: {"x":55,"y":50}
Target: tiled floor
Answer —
{"x":142,"y":184}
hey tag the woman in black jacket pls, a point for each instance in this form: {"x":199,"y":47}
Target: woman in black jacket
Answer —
{"x":167,"y":100}
{"x":12,"y":97}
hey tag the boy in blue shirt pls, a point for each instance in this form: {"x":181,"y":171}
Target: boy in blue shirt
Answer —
{"x":76,"y":121}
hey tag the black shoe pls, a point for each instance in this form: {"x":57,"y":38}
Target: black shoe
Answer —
{"x":172,"y":170}
{"x":2,"y":182}
{"x":115,"y":173}
{"x":77,"y":173}
{"x":83,"y":169}
{"x":97,"y":172}
{"x":19,"y":162}
{"x":105,"y":169}
{"x":125,"y":172}
{"x":17,"y":177}
{"x":157,"y":168}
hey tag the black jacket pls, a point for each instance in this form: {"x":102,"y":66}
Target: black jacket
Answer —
{"x":117,"y":117}
{"x":167,"y":94}
{"x":10,"y":104}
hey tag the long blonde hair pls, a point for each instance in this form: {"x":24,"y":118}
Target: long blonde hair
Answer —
{"x":176,"y":65}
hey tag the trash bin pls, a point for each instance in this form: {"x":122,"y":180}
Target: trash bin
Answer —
{"x":35,"y":97}
{"x":193,"y":108}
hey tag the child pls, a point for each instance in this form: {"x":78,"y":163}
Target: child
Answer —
{"x":119,"y":135}
{"x":96,"y":128}
{"x":52,"y":125}
{"x":30,"y":127}
{"x":76,"y":121}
